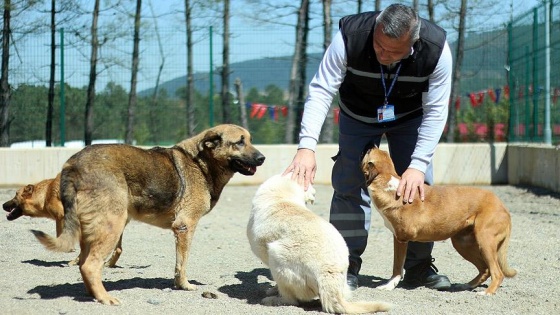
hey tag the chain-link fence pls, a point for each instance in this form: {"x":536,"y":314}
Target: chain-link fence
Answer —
{"x":501,"y":94}
{"x":534,"y":75}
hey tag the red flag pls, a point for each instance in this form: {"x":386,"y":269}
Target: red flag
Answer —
{"x":473,"y":99}
{"x":336,"y":113}
{"x":492,"y":95}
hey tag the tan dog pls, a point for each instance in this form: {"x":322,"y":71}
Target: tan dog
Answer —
{"x":42,"y":200}
{"x":477,"y":222}
{"x":103,"y":186}
{"x":307,"y":256}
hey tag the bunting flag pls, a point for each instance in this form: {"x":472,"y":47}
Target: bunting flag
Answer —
{"x":336,"y":114}
{"x":492,"y":95}
{"x":555,"y":95}
{"x":498,"y":93}
{"x":258,"y":110}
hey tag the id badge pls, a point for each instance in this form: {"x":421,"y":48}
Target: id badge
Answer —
{"x":386,"y":113}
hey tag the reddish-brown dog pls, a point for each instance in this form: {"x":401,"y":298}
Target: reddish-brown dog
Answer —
{"x":42,"y":200}
{"x":477,"y":222}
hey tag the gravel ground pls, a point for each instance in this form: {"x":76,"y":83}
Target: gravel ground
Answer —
{"x":35,"y":281}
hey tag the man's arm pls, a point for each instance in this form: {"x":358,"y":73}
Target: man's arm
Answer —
{"x":435,"y":104}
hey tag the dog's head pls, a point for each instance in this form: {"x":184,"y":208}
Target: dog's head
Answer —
{"x":375,"y":162}
{"x":230,"y":146}
{"x":16,"y":207}
{"x":281,"y":187}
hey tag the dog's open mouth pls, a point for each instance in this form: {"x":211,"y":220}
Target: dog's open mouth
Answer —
{"x":244,"y":168}
{"x":14,"y":212}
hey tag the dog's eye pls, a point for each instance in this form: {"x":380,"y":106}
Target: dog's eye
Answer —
{"x":241,"y":142}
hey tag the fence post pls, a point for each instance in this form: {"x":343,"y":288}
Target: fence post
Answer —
{"x":62,"y":96}
{"x":211,"y":87}
{"x":547,"y":132}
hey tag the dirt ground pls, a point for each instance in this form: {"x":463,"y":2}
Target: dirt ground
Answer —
{"x":35,"y":281}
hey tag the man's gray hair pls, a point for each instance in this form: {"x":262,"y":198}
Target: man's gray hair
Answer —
{"x":398,"y":20}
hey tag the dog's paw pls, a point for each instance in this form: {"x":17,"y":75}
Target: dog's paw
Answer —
{"x":277,"y":301}
{"x":391,"y":284}
{"x":484,"y":293}
{"x":108,"y":300}
{"x":185,"y":286}
{"x":272,"y":291}
{"x":310,"y":195}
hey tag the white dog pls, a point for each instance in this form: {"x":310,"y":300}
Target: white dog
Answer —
{"x":307,"y":256}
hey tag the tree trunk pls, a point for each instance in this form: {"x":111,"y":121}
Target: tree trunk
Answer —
{"x":4,"y":85}
{"x":431,"y":9}
{"x":191,"y":119}
{"x":50,"y":105}
{"x":225,"y":67}
{"x":455,"y":90}
{"x":241,"y":99}
{"x":301,"y":80}
{"x":328,"y":126}
{"x":129,"y":138}
{"x":303,"y":15}
{"x":154,"y":126}
{"x":88,"y":134}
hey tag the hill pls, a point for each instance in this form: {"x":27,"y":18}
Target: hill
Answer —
{"x":483,"y":67}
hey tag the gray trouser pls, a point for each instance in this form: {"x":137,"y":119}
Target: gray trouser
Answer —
{"x":350,"y":206}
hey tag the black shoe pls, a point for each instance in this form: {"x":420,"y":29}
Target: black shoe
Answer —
{"x":425,"y":274}
{"x":352,"y":281}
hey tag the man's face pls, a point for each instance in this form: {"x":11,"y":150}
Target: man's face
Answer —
{"x":390,"y":50}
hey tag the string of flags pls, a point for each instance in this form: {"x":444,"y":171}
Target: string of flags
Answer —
{"x":260,"y":110}
{"x":477,"y":98}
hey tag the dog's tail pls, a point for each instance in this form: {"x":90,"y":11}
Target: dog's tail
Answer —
{"x":333,"y":292}
{"x":71,"y":230}
{"x":502,"y":256}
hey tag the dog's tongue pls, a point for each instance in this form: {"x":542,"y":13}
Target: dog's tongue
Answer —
{"x":14,"y":214}
{"x":253,"y":169}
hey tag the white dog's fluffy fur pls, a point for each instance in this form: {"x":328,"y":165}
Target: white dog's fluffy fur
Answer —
{"x":307,"y":256}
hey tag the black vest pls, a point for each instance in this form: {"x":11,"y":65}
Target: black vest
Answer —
{"x":361,"y":93}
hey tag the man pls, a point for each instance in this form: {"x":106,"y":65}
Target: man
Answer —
{"x":392,"y":71}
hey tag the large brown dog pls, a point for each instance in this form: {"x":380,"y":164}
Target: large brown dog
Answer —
{"x":102,"y":186}
{"x":477,"y":222}
{"x":42,"y":200}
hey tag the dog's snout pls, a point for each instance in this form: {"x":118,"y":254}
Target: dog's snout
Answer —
{"x":260,"y":158}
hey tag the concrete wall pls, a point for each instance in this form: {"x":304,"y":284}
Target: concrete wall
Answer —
{"x":454,"y":164}
{"x":534,"y":165}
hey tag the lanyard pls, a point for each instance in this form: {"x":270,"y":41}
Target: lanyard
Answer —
{"x":392,"y":83}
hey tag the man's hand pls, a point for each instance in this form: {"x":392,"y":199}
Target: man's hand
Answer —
{"x":412,"y":180}
{"x":303,"y":167}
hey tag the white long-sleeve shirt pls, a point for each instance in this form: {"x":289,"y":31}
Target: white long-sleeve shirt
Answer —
{"x":329,"y":77}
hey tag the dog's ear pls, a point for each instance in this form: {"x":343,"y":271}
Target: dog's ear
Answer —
{"x":211,"y":140}
{"x":369,"y":172}
{"x":28,"y":190}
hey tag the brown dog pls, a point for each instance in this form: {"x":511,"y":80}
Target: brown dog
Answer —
{"x":42,"y":200}
{"x":102,"y":186}
{"x":477,"y":222}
